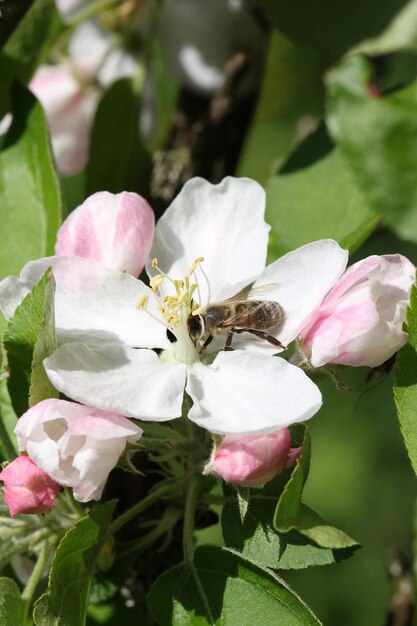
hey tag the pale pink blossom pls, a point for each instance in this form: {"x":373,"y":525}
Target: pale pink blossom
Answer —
{"x":252,"y":460}
{"x":74,"y":444}
{"x":27,"y":489}
{"x":115,"y":229}
{"x":69,"y":107}
{"x":360,"y":321}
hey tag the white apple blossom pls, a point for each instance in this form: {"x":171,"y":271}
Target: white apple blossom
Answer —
{"x":120,"y":358}
{"x":70,"y":91}
{"x":76,"y":445}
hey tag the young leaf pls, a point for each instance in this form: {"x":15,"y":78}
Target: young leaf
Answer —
{"x":30,"y":200}
{"x":302,"y":206}
{"x":11,"y":604}
{"x":257,"y":539}
{"x":118,"y":160}
{"x":41,"y":387}
{"x":318,"y":530}
{"x":27,"y":328}
{"x":289,"y":503}
{"x":65,"y":602}
{"x":405,"y":388}
{"x":377,"y":135}
{"x":223,"y":587}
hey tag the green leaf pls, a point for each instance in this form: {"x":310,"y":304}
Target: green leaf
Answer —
{"x":11,"y":604}
{"x":28,"y":46}
{"x":257,"y":539}
{"x":282,"y":115}
{"x":336,"y":27}
{"x":289,"y":503}
{"x":27,"y":329}
{"x":11,"y":14}
{"x":41,"y":387}
{"x":30,"y":200}
{"x":400,"y":34}
{"x":223,"y":587}
{"x":165,"y":94}
{"x":315,"y":196}
{"x":378,"y":139}
{"x":8,"y":418}
{"x":65,"y":602}
{"x":318,"y":530}
{"x":118,"y":160}
{"x":405,"y":388}
{"x":291,"y":514}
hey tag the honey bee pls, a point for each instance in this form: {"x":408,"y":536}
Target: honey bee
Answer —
{"x":238,"y":314}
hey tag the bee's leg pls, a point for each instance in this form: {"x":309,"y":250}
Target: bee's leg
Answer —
{"x":262,"y":334}
{"x":207,"y":342}
{"x":228,"y":344}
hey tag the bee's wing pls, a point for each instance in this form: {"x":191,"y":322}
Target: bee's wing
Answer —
{"x":253,"y":293}
{"x":262,"y":290}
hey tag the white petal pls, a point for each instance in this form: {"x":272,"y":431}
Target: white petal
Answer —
{"x":132,"y":382}
{"x":303,"y":277}
{"x":246,"y":393}
{"x":92,"y":303}
{"x":224,"y":224}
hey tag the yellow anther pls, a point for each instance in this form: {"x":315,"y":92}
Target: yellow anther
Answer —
{"x":173,"y":319}
{"x":156,"y":282}
{"x":194,"y":265}
{"x":179,"y":283}
{"x":142,"y":302}
{"x":154,"y":262}
{"x":198,"y":310}
{"x":170,"y":300}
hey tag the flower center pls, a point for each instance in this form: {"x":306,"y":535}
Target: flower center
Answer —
{"x":174,"y":309}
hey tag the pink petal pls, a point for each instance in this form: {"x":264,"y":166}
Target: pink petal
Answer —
{"x":114,"y":229}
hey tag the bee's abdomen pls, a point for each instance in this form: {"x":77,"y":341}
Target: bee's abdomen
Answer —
{"x":262,"y":315}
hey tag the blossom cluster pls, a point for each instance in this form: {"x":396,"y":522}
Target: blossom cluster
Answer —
{"x":126,"y":350}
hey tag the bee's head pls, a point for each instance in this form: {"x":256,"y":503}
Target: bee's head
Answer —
{"x":196,"y":327}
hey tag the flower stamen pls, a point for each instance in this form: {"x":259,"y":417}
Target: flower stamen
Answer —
{"x":156,"y":282}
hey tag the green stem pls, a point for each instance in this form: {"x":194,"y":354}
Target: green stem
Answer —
{"x":136,"y":547}
{"x":188,"y":538}
{"x":139,"y":507}
{"x":29,"y":590}
{"x":189,"y":515}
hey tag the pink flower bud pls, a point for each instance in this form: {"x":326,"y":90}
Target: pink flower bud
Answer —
{"x":115,"y":229}
{"x":360,"y":320}
{"x":69,"y":108}
{"x":76,"y":445}
{"x":27,"y":489}
{"x":252,"y":460}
